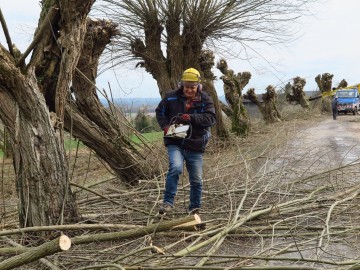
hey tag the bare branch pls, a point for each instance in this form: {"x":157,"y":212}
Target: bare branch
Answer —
{"x":7,"y":35}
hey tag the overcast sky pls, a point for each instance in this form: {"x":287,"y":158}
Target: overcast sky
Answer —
{"x":329,"y":41}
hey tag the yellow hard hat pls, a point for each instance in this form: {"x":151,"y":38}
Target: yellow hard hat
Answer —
{"x":191,"y":75}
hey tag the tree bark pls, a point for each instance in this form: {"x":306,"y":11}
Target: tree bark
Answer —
{"x":295,"y":92}
{"x":233,"y":86}
{"x":41,"y":171}
{"x":207,"y":63}
{"x":251,"y":95}
{"x":271,"y":111}
{"x":77,"y":61}
{"x":113,"y":152}
{"x":31,"y":255}
{"x":109,"y":137}
{"x":268,"y":109}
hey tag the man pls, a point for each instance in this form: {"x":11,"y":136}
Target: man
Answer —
{"x":187,"y":105}
{"x":334,"y":105}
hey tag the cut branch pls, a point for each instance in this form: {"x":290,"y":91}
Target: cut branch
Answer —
{"x":6,"y":33}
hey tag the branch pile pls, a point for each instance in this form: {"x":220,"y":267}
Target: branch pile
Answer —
{"x":265,"y":207}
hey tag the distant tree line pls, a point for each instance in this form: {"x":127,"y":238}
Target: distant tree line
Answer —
{"x":144,"y":122}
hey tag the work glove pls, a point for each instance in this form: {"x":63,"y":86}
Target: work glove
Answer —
{"x":185,"y":118}
{"x":166,"y":130}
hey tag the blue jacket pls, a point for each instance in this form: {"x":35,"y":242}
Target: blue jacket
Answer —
{"x":202,"y":117}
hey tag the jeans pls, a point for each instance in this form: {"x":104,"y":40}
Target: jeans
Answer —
{"x":194,"y":166}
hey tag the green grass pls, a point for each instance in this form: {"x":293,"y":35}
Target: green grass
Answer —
{"x":71,"y":144}
{"x":151,"y":137}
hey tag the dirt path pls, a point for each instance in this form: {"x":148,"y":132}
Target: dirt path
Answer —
{"x":328,"y":143}
{"x":340,"y":135}
{"x":320,"y":154}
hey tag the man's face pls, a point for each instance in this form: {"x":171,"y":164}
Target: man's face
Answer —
{"x":190,"y":89}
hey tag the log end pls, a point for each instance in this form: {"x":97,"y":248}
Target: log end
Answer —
{"x":194,"y":222}
{"x":64,"y":242}
{"x":197,"y":218}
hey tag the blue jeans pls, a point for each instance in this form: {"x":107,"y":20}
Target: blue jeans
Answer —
{"x":194,"y":166}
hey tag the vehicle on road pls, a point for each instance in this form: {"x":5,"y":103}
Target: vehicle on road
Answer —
{"x":348,"y":100}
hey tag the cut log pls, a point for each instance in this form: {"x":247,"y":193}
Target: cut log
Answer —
{"x":45,"y":262}
{"x":52,"y":247}
{"x":64,"y":242}
{"x":31,"y":255}
{"x":70,"y":227}
{"x":194,"y":222}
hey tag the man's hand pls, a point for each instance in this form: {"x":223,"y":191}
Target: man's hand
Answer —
{"x":185,"y":117}
{"x":166,"y":130}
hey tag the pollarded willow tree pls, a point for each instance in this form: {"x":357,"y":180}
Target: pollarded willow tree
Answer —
{"x":295,"y":92}
{"x":39,"y":156}
{"x":324,"y":83}
{"x":342,"y":84}
{"x":169,"y":36}
{"x":52,"y":93}
{"x":268,"y":108}
{"x":233,"y":86}
{"x":207,"y":61}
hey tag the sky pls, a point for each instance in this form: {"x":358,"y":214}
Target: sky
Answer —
{"x":328,"y":41}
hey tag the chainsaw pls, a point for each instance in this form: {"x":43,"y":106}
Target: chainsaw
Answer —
{"x":177,"y":131}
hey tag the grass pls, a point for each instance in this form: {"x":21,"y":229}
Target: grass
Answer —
{"x":69,"y":144}
{"x":73,"y":143}
{"x":151,"y":137}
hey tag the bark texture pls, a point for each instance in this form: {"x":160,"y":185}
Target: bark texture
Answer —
{"x":104,"y":131}
{"x":207,"y":63}
{"x":41,"y":170}
{"x":36,"y":125}
{"x":109,"y":128}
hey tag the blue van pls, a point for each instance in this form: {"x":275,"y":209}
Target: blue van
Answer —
{"x":348,"y":100}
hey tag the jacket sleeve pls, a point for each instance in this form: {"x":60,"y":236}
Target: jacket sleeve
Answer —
{"x":207,"y":117}
{"x":161,"y":114}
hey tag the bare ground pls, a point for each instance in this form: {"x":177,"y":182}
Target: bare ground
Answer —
{"x":286,"y":195}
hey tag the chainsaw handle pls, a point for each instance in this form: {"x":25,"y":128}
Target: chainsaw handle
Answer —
{"x":174,"y":124}
{"x":173,"y":119}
